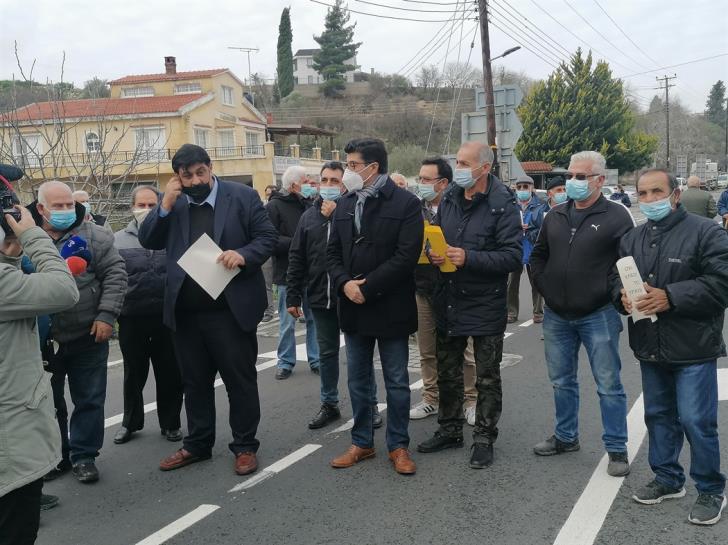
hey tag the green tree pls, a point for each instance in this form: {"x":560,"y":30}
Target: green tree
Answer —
{"x":337,"y":48}
{"x":580,"y":107}
{"x":715,"y":106}
{"x":284,"y":69}
{"x":95,"y":88}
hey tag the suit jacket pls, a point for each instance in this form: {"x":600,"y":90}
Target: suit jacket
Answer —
{"x":385,"y":253}
{"x":241,"y":224}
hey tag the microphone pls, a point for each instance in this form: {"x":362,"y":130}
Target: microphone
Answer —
{"x":77,"y":265}
{"x":77,"y":255}
{"x":10,"y":172}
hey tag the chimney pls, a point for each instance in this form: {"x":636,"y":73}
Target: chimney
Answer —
{"x":170,"y":65}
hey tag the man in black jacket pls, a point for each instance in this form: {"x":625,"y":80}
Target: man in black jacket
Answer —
{"x":285,"y":209}
{"x":575,"y":252}
{"x":684,"y":260}
{"x":374,"y":247}
{"x":480,"y":220}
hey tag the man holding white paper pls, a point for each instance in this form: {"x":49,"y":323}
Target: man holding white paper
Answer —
{"x":217,"y":236}
{"x":683,"y":259}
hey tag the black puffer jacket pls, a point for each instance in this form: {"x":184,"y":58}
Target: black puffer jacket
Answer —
{"x":307,"y":262}
{"x":147,"y":272}
{"x":472,"y":300}
{"x":285,"y":211}
{"x":687,"y":256}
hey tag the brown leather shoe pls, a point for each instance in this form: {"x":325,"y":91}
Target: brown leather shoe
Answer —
{"x":245,"y":463}
{"x":352,"y":456}
{"x":403,"y":462}
{"x":180,"y":459}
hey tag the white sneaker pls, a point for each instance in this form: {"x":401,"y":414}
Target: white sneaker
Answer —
{"x":423,"y":410}
{"x":470,"y":415}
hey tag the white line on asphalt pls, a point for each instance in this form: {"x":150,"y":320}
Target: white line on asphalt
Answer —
{"x":301,"y":354}
{"x":506,"y":335}
{"x":526,"y":324}
{"x":350,"y":423}
{"x":179,"y":525}
{"x":113,"y":363}
{"x":276,"y":467}
{"x":592,"y":507}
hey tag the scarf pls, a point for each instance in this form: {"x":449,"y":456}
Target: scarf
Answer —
{"x":363,"y":194}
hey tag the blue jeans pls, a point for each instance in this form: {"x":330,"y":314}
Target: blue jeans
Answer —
{"x":287,"y":334}
{"x":682,"y":401}
{"x":85,"y":363}
{"x":394,"y":354}
{"x":599,"y":332}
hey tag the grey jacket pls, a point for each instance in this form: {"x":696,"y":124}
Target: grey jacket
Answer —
{"x":697,"y":201}
{"x":102,"y":287}
{"x":29,"y":441}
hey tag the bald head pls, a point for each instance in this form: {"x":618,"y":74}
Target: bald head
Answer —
{"x":693,"y":181}
{"x":478,"y":152}
{"x":80,"y":196}
{"x":52,"y":191}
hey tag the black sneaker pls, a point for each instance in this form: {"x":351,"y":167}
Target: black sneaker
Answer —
{"x":86,"y":472}
{"x":48,"y":502}
{"x":707,"y":509}
{"x":378,"y":422}
{"x":63,"y":467}
{"x":267,"y":317}
{"x":481,"y":455}
{"x":316,"y":370}
{"x":440,"y":442}
{"x":173,"y":435}
{"x":326,"y":415}
{"x":618,"y":464}
{"x":655,"y":492}
{"x":552,"y":446}
{"x":282,"y":373}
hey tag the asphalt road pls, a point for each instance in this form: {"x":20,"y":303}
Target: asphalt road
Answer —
{"x":522,"y":499}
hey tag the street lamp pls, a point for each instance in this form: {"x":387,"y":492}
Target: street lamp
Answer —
{"x":506,"y":53}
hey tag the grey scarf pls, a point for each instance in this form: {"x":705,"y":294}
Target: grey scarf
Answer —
{"x":363,"y":194}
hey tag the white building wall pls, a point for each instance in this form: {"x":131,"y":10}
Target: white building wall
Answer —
{"x":304,"y":73}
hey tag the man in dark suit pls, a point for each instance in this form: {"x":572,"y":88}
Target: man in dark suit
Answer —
{"x":371,"y":259}
{"x":213,"y":335}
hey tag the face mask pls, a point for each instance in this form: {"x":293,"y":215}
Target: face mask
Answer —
{"x":308,"y":191}
{"x":463,"y":177}
{"x":578,"y":189}
{"x":330,"y":193}
{"x":62,"y":219}
{"x":140,"y":214}
{"x":523,"y":195}
{"x":352,"y":180}
{"x":197,"y":193}
{"x":657,"y":210}
{"x":427,"y":192}
{"x":560,"y":197}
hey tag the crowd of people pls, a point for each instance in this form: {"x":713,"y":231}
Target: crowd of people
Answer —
{"x":351,"y":252}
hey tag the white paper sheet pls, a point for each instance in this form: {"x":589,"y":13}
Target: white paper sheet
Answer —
{"x":200,"y":262}
{"x":633,"y":285}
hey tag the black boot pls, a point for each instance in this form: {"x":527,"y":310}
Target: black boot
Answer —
{"x":440,"y":442}
{"x":326,"y":415}
{"x":481,"y":456}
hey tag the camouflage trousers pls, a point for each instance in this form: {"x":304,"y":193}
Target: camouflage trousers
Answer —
{"x":488,"y":355}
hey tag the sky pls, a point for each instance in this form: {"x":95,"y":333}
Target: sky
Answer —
{"x":112,"y":39}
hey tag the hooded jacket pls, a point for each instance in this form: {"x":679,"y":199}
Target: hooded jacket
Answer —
{"x":30,"y":445}
{"x":285,"y":211}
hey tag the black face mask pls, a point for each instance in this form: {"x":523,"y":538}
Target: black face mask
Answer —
{"x":197,"y":193}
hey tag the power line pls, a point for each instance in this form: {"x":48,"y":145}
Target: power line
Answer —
{"x":551,"y":64}
{"x":430,"y":54}
{"x":675,"y":65}
{"x":436,"y":3}
{"x":404,"y":9}
{"x":546,"y":50}
{"x":625,"y":34}
{"x":383,"y":16}
{"x":538,"y":31}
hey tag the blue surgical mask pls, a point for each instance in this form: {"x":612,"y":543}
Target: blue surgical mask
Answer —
{"x":308,"y":191}
{"x":578,"y":189}
{"x":427,"y":192}
{"x":62,"y":219}
{"x":523,"y":195}
{"x":560,"y":197}
{"x":657,"y":210}
{"x":463,"y":177}
{"x":330,"y":193}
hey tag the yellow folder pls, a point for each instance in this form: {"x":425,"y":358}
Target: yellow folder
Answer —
{"x":438,"y":245}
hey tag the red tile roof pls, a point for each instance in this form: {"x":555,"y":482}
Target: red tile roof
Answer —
{"x":102,"y":107}
{"x":536,"y":166}
{"x":146,"y":78}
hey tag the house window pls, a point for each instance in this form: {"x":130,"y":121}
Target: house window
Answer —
{"x":202,"y":137}
{"x":227,"y":96}
{"x":187,"y":88}
{"x":295,"y":65}
{"x":252,"y":138}
{"x":93,"y":143}
{"x":27,"y":150}
{"x":150,"y":142}
{"x":136,"y":92}
{"x":309,"y":62}
{"x":310,"y":80}
{"x":226,"y":142}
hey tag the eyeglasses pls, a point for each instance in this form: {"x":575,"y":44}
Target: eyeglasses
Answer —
{"x":351,"y":165}
{"x":423,"y":180}
{"x":580,"y":177}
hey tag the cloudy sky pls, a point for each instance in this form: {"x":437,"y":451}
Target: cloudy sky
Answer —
{"x":113,"y":39}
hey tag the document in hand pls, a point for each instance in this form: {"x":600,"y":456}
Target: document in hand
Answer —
{"x":632,"y":283}
{"x":200,"y":262}
{"x":438,"y":245}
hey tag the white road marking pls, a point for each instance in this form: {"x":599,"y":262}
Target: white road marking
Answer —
{"x":350,"y":423}
{"x":301,"y":354}
{"x":526,"y":324}
{"x":179,"y":525}
{"x":506,"y":335}
{"x":113,"y":363}
{"x":590,"y":511}
{"x":276,"y":467}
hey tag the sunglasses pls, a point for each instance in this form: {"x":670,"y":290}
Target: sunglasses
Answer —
{"x":580,"y":177}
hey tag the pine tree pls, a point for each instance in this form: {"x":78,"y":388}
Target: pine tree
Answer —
{"x":715,"y":106}
{"x":579,"y":108}
{"x":284,"y":70}
{"x":337,"y":47}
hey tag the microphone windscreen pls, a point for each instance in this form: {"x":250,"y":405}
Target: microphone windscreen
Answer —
{"x":73,"y":246}
{"x":11,"y":173}
{"x":76,"y":265}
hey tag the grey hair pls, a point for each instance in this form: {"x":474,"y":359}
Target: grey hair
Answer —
{"x":671,"y":178}
{"x":79,"y":192}
{"x":485,"y":154}
{"x":599,"y":163}
{"x":42,"y":199}
{"x":140,"y":188}
{"x":694,"y":181}
{"x":292,"y":175}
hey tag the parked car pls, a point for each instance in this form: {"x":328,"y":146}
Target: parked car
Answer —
{"x":722,"y":181}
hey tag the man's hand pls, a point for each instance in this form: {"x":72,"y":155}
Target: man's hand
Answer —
{"x":102,"y":331}
{"x":231,"y":259}
{"x":524,"y":226}
{"x":327,"y":208}
{"x":626,"y":302}
{"x":295,"y":312}
{"x":654,"y":301}
{"x":456,"y":256}
{"x":171,"y":193}
{"x":26,"y":221}
{"x":353,"y":292}
{"x":435,"y":259}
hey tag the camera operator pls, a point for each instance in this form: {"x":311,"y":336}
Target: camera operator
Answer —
{"x":29,"y":432}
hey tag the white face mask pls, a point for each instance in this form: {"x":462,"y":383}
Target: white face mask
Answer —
{"x":352,"y":180}
{"x":140,"y":214}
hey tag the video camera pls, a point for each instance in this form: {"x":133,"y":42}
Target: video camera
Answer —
{"x":8,"y":198}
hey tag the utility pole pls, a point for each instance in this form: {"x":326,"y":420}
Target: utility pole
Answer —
{"x":247,"y":50}
{"x":666,"y":81}
{"x":726,"y":134}
{"x":488,"y":80}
